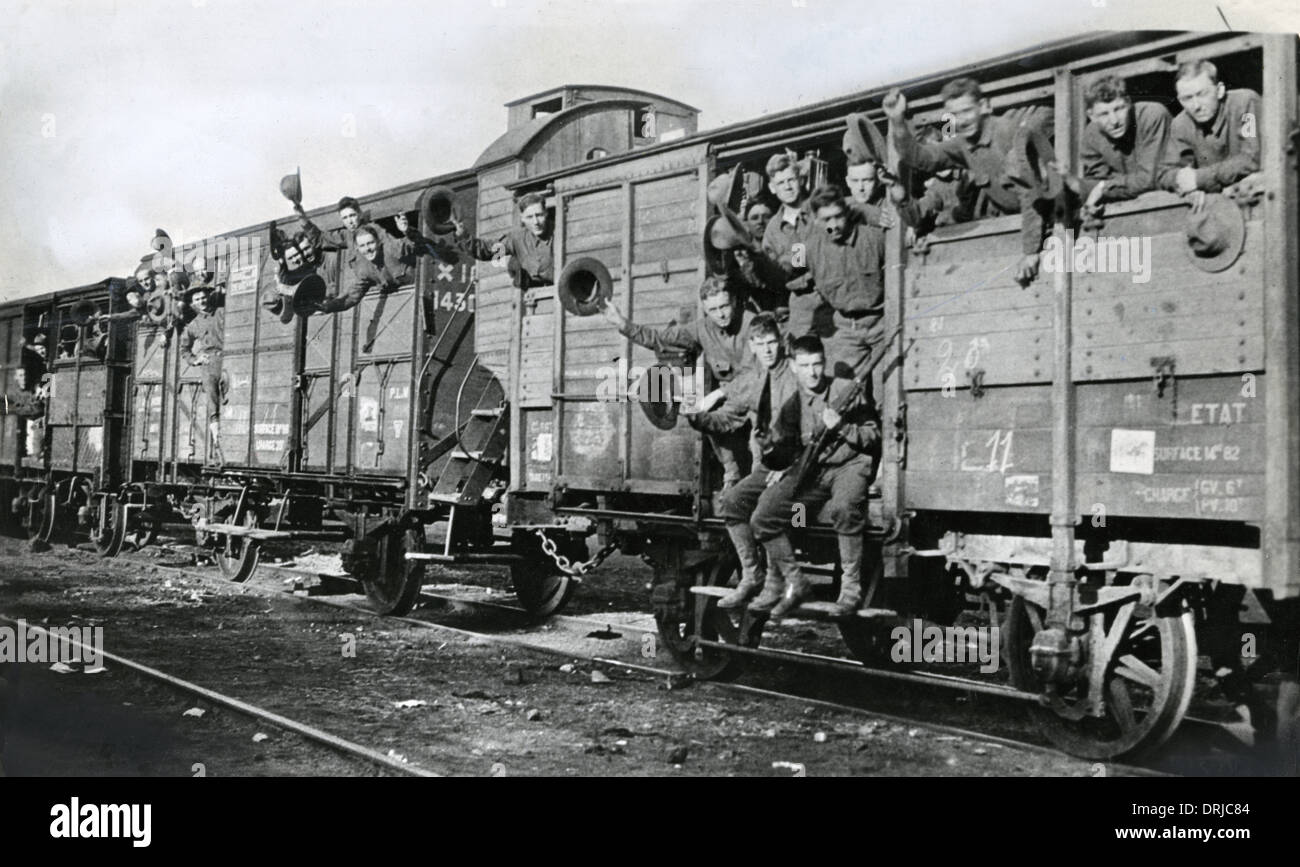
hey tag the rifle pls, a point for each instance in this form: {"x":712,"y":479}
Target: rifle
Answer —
{"x":808,"y":460}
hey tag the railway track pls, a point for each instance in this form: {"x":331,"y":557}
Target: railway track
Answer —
{"x":316,"y":735}
{"x":561,"y":637}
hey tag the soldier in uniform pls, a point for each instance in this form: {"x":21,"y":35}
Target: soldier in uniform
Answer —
{"x":984,"y":146}
{"x":846,"y":258}
{"x":783,"y":242}
{"x":838,"y":483}
{"x":1123,"y":144}
{"x":151,"y":287}
{"x":32,"y":388}
{"x":528,"y":250}
{"x":325,"y":253}
{"x":377,"y":261}
{"x":350,"y":216}
{"x":23,"y":401}
{"x":758,"y":213}
{"x":1214,"y":140}
{"x":751,"y":398}
{"x":134,"y":298}
{"x":947,"y":197}
{"x":144,"y":278}
{"x":202,"y":339}
{"x":721,"y":336}
{"x":297,"y":287}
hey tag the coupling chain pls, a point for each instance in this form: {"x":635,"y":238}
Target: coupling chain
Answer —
{"x":567,"y":566}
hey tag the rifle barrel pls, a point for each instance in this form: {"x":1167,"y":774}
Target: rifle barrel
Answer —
{"x":809,"y":457}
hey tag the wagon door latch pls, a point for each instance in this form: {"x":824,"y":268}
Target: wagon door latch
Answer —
{"x":900,"y":434}
{"x":1163,"y":377}
{"x":976,"y":377}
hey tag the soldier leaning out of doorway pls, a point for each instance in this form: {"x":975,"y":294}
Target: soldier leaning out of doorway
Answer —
{"x":201,"y":346}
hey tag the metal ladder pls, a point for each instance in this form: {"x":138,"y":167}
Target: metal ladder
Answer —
{"x":481,"y":442}
{"x":471,"y":465}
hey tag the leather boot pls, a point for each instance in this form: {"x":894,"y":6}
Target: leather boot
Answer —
{"x":751,"y":568}
{"x":774,"y":586}
{"x":850,"y":576}
{"x":780,"y":556}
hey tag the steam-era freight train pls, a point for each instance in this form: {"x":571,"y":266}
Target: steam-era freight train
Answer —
{"x":1113,"y":464}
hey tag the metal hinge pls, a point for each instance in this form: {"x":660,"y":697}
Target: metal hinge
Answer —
{"x":1164,"y":373}
{"x":900,"y":434}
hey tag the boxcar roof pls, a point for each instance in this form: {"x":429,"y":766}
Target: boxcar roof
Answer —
{"x":630,"y":91}
{"x":405,"y":196}
{"x":515,"y":141}
{"x":1037,"y":58}
{"x":47,"y":297}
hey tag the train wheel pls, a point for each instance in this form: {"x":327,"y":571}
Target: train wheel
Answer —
{"x":1148,"y":685}
{"x":541,"y":593}
{"x":10,"y":523}
{"x":690,"y":615}
{"x":393,"y":584}
{"x":238,"y":555}
{"x":542,"y":589}
{"x":42,"y":524}
{"x":108,"y":530}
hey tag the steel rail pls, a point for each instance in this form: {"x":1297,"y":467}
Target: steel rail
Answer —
{"x":678,"y":674}
{"x":310,"y":732}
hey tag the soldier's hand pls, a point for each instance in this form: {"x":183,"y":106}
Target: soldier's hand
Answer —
{"x":895,"y":105}
{"x":1197,"y":198}
{"x":612,"y":314}
{"x":710,"y":400}
{"x":886,"y":218}
{"x":831,"y":418}
{"x":1185,"y":179}
{"x":1092,"y":206}
{"x":1027,"y":269}
{"x":774,"y":477}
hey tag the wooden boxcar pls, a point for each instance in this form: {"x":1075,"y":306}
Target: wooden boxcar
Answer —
{"x":1103,"y":458}
{"x":345,"y":427}
{"x":65,"y":380}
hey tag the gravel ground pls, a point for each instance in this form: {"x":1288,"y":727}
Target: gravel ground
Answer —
{"x":447,"y":703}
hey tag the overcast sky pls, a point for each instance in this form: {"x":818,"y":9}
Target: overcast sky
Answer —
{"x":117,"y":118}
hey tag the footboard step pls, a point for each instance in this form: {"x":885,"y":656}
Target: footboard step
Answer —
{"x":828,"y":611}
{"x":703,"y":590}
